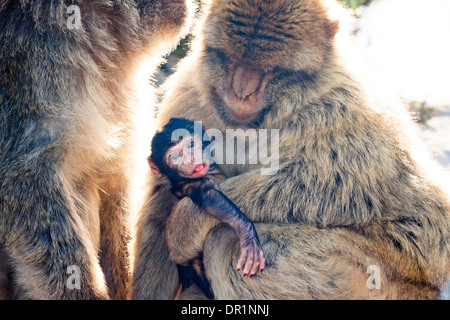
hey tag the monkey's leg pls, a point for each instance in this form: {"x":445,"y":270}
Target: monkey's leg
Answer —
{"x":155,"y":276}
{"x":187,"y":228}
{"x":302,"y":262}
{"x":115,"y":236}
{"x":5,"y":288}
{"x":48,"y":244}
{"x":192,"y":293}
{"x":298,"y":257}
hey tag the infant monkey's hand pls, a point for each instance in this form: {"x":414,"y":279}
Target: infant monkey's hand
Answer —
{"x":251,"y":253}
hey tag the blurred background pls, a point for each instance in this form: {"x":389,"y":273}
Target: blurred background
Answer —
{"x":407,"y":43}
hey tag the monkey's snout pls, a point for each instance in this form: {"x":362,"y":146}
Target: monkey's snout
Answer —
{"x":246,"y":81}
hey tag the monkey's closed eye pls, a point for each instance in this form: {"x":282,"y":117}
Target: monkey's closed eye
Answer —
{"x":217,"y":56}
{"x":174,"y":157}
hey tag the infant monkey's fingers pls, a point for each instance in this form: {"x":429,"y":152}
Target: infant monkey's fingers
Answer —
{"x":242,"y":259}
{"x":256,"y":263}
{"x":249,"y":263}
{"x":262,"y":263}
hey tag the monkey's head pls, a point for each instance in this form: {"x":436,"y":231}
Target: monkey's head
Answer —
{"x":177,"y":151}
{"x":249,"y":43}
{"x":170,"y":17}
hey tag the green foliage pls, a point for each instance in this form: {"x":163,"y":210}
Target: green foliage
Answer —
{"x":183,"y":47}
{"x":422,"y":112}
{"x":353,"y":4}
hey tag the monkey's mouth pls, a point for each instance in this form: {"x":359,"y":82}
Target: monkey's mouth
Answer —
{"x":201,"y":170}
{"x":244,"y":92}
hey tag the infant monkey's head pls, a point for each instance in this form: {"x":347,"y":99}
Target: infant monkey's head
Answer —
{"x":177,"y":151}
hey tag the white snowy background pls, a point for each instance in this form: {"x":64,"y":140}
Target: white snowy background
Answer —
{"x":408,"y":43}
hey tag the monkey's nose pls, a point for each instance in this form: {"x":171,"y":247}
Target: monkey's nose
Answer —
{"x":187,"y":158}
{"x":246,"y":81}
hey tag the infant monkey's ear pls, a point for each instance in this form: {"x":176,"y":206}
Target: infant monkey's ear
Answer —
{"x":155,"y":170}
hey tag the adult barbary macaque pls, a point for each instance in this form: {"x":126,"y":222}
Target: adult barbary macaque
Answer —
{"x":188,"y":168}
{"x":67,"y":126}
{"x":353,"y":191}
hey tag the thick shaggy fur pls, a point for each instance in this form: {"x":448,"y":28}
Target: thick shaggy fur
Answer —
{"x":353,"y":189}
{"x":68,"y":109}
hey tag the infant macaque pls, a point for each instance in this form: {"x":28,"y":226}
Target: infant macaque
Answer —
{"x":176,"y":161}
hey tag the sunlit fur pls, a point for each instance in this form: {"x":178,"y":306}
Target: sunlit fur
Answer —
{"x":354,"y":187}
{"x":67,"y":139}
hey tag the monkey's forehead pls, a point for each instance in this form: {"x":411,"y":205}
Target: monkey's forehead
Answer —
{"x":264,"y":35}
{"x":184,"y":143}
{"x":185,"y":138}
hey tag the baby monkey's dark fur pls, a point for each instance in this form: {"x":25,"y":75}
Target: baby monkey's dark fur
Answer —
{"x":205,"y":193}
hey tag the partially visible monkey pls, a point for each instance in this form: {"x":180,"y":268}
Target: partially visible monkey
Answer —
{"x":188,"y":168}
{"x":68,"y":111}
{"x":353,"y":189}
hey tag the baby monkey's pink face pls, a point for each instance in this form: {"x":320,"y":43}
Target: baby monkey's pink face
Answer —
{"x":187,"y":158}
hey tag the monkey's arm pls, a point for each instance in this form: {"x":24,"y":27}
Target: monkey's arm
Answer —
{"x":274,"y":198}
{"x":214,"y":202}
{"x":303,"y":190}
{"x":150,"y":234}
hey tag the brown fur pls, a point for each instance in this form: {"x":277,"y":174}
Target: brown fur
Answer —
{"x":67,"y":138}
{"x":354,"y":188}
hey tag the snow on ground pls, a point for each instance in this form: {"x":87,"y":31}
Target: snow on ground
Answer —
{"x":407,"y":42}
{"x":437,"y":135}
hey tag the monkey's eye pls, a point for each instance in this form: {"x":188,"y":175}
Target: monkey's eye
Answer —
{"x":174,"y":157}
{"x":192,"y":144}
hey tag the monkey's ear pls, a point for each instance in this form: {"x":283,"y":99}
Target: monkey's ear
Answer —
{"x":332,"y":28}
{"x":155,"y":170}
